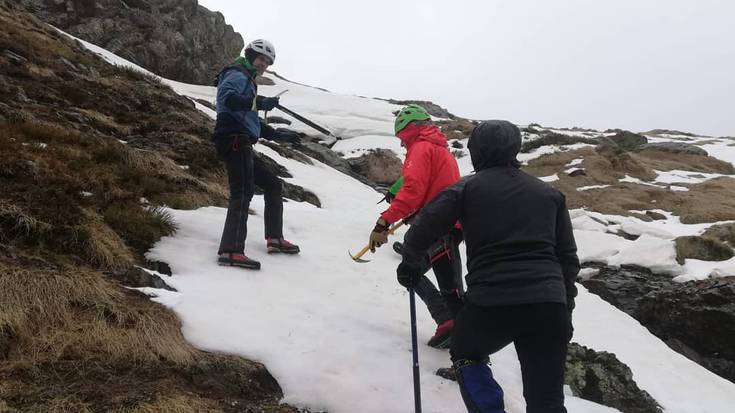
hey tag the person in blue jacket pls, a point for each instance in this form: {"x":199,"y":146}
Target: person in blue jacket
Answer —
{"x":237,"y":129}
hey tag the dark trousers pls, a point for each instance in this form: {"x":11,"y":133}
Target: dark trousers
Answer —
{"x":443,"y":257}
{"x":244,"y":172}
{"x":540,"y":333}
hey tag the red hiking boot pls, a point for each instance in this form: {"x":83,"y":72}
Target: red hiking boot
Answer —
{"x":280,"y":245}
{"x":443,"y":335}
{"x":237,"y":260}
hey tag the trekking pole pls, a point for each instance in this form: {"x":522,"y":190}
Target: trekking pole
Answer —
{"x":308,"y":122}
{"x":415,"y":351}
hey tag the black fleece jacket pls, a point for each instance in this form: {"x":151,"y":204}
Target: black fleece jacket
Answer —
{"x":520,"y":244}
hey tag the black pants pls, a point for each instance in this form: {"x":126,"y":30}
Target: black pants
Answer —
{"x":443,"y":257}
{"x":540,"y":334}
{"x":244,"y":172}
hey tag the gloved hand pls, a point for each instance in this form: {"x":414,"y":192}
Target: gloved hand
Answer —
{"x":288,"y":136}
{"x":408,"y":274}
{"x":379,"y":236}
{"x":266,"y":104}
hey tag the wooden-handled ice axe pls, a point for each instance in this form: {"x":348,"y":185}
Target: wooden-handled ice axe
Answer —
{"x":358,"y":256}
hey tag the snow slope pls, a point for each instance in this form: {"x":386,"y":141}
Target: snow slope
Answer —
{"x":335,"y":334}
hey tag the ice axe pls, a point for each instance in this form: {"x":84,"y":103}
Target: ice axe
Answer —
{"x":308,"y":122}
{"x":265,"y":116}
{"x":358,"y":257}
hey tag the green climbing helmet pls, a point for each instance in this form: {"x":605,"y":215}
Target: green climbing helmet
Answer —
{"x":409,"y":114}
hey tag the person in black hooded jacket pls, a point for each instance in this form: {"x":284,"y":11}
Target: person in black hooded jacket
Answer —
{"x":522,"y":266}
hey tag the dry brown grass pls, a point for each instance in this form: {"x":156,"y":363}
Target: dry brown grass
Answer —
{"x":179,"y":404}
{"x":77,"y":312}
{"x":73,"y":340}
{"x":711,"y":201}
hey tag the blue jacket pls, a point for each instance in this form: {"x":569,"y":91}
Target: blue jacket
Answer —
{"x":236,"y":103}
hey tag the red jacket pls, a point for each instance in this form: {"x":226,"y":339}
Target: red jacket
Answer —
{"x":428,"y":169}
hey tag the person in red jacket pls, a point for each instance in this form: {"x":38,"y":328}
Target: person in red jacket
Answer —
{"x":428,"y":169}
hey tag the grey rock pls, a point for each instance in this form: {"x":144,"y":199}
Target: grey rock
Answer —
{"x":553,"y":138}
{"x":722,"y":232}
{"x":290,"y":191}
{"x":159,"y":266}
{"x":137,"y":277}
{"x":696,"y":318}
{"x":577,"y":172}
{"x":599,"y":377}
{"x":655,"y":215}
{"x":287,"y":151}
{"x":327,"y":156}
{"x":431,"y":107}
{"x":701,"y":248}
{"x":177,"y":39}
{"x":623,"y":140}
{"x":300,"y":194}
{"x":674,"y":147}
{"x":381,"y":166}
{"x":602,"y":378}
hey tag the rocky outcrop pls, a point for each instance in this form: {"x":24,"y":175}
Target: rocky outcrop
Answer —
{"x":553,"y":138}
{"x":177,"y":39}
{"x":701,"y":248}
{"x":431,"y":107}
{"x":674,"y":147}
{"x":137,"y":277}
{"x":622,"y":141}
{"x":696,"y":318}
{"x":457,"y":128}
{"x":381,"y":166}
{"x":599,"y":377}
{"x":722,"y":232}
{"x":327,"y":156}
{"x":602,"y":378}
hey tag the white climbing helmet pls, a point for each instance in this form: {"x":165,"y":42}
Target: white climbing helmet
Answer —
{"x":263,"y":47}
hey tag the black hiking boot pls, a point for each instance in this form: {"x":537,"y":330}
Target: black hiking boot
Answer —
{"x":237,"y":260}
{"x":398,"y":247}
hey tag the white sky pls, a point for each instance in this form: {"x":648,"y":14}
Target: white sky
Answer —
{"x":633,"y":64}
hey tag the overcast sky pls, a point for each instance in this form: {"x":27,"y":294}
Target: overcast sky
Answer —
{"x":632,"y":64}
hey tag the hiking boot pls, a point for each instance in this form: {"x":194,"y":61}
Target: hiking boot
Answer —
{"x":398,"y":247}
{"x":442,"y":336}
{"x":280,"y":245}
{"x":237,"y":260}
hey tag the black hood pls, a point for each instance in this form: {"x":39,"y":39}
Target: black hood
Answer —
{"x":494,"y":143}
